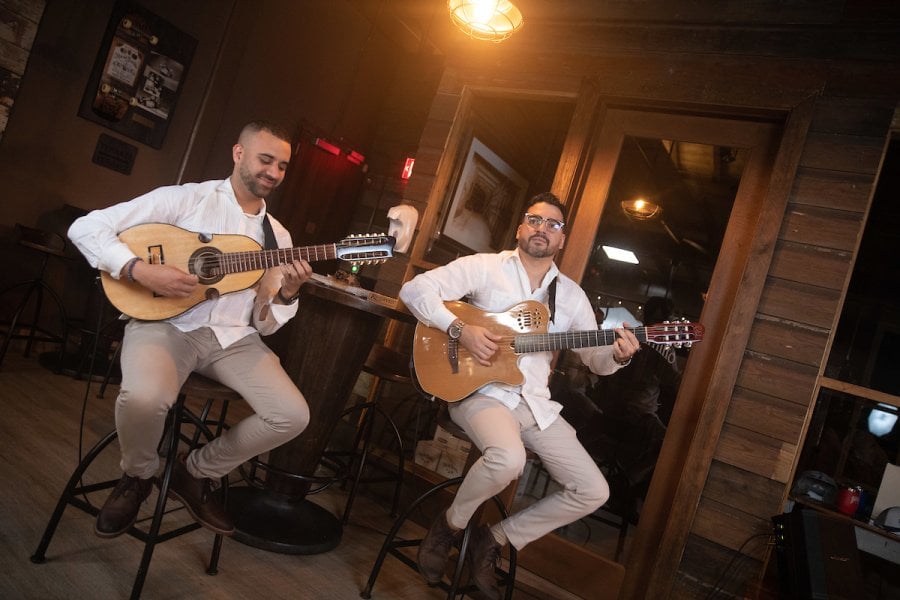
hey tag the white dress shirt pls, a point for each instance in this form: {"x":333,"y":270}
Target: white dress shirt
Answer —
{"x":208,"y":207}
{"x":495,"y":283}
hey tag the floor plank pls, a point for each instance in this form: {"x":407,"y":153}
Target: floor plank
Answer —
{"x":39,"y":437}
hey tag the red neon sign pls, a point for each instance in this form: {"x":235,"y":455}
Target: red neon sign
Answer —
{"x":407,"y":168}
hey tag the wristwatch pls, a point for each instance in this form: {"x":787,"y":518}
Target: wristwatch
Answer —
{"x":455,"y":329}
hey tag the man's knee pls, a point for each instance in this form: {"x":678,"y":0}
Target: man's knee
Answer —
{"x":506,"y":464}
{"x":594,"y":493}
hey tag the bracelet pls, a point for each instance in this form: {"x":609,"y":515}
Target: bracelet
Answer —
{"x":129,"y":268}
{"x":622,"y":364}
{"x":287,"y":300}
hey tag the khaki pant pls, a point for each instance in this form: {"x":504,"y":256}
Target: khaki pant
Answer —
{"x":502,"y":436}
{"x":156,"y":360}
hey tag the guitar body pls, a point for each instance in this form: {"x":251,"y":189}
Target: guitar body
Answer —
{"x":524,"y":329}
{"x":223,"y":263}
{"x":167,"y":244}
{"x":430,"y":350}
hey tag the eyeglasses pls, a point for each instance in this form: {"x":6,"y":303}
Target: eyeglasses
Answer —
{"x":535,"y":222}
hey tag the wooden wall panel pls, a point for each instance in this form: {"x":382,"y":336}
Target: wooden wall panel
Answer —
{"x":830,"y":189}
{"x":705,"y":564}
{"x":777,"y":377}
{"x":774,"y":417}
{"x":730,"y":527}
{"x":845,"y":153}
{"x":756,"y":453}
{"x":800,"y":302}
{"x":812,"y":265}
{"x":823,"y":227}
{"x":743,"y":490}
{"x":789,"y":340}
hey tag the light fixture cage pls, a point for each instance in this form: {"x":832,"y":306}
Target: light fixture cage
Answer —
{"x":641,"y":209}
{"x":489,"y":20}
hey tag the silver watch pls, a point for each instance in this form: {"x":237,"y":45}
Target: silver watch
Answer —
{"x":455,"y":329}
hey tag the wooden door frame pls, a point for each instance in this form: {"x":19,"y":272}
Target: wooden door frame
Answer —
{"x":734,"y":293}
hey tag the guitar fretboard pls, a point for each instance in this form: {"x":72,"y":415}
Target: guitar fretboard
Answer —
{"x":547,"y":342}
{"x":238,"y":262}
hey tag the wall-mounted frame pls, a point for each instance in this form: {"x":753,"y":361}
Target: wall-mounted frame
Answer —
{"x":489,"y":194}
{"x":138,"y":74}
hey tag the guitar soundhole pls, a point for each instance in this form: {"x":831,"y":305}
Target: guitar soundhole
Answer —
{"x":206,"y":264}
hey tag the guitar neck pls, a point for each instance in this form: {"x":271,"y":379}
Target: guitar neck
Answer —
{"x":239,"y":262}
{"x":548,"y":342}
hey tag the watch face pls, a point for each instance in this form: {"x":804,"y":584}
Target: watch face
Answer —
{"x":455,"y":332}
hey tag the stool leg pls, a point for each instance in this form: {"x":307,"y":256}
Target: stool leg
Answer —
{"x":68,"y":496}
{"x":364,"y":435}
{"x":389,"y":544}
{"x":159,"y":511}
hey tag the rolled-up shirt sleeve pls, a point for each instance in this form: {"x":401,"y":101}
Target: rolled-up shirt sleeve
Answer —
{"x":425,"y":294}
{"x":96,"y":234}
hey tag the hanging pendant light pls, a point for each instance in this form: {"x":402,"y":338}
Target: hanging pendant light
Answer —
{"x":491,"y":20}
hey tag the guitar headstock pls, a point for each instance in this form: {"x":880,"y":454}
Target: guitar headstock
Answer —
{"x":674,"y":333}
{"x":366,"y":248}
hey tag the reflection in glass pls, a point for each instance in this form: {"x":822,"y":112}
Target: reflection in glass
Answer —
{"x":851,"y":439}
{"x":622,"y":419}
{"x":866,"y":348}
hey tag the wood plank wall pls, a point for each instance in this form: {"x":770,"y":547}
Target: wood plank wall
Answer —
{"x":18,"y":26}
{"x":856,"y":87}
{"x":762,"y":435}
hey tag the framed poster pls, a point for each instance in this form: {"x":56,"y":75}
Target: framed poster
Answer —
{"x":138,"y":74}
{"x":487,"y":202}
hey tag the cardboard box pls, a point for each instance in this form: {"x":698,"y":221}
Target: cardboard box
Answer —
{"x":452,"y":462}
{"x":428,"y":454}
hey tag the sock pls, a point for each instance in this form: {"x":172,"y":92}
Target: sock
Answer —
{"x":499,"y":534}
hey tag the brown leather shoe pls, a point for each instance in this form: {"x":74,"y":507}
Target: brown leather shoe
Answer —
{"x":434,"y":549}
{"x":196,"y":494}
{"x":121,"y":508}
{"x":482,"y":558}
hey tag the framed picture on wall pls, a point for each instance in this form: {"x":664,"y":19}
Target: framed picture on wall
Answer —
{"x":487,"y":202}
{"x":137,"y":77}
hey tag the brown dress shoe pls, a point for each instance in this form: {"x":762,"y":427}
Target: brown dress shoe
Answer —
{"x":434,"y":549}
{"x":196,"y":494}
{"x":482,"y":558}
{"x":121,"y":508}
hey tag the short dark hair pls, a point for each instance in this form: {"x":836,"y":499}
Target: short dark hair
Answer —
{"x":275,"y":129}
{"x":547,"y":198}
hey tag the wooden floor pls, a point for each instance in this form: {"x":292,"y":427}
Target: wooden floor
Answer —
{"x":39,"y":437}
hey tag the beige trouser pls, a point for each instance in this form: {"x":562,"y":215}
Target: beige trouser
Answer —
{"x":156,"y":360}
{"x":502,"y":436}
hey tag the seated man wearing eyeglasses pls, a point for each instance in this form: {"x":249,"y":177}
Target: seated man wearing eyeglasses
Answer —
{"x":504,"y":420}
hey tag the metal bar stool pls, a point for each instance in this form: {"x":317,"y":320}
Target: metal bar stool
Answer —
{"x":205,"y":428}
{"x":385,"y":365}
{"x":48,"y":244}
{"x":394,"y":543}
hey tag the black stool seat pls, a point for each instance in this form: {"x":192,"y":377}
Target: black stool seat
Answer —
{"x":385,"y":365}
{"x":205,"y":427}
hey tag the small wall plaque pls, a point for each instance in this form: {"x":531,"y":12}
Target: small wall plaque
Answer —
{"x":114,"y":154}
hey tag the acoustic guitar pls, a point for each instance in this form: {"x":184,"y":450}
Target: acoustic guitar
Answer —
{"x":447,"y":371}
{"x":224,"y":263}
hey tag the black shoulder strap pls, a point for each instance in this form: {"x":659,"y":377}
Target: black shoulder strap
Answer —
{"x":551,"y":291}
{"x":270,"y":242}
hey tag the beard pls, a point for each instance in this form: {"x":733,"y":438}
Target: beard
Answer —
{"x":255,"y":183}
{"x":537,"y":246}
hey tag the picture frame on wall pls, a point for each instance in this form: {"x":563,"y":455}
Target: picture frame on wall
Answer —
{"x":138,"y":74}
{"x":484,"y":211}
